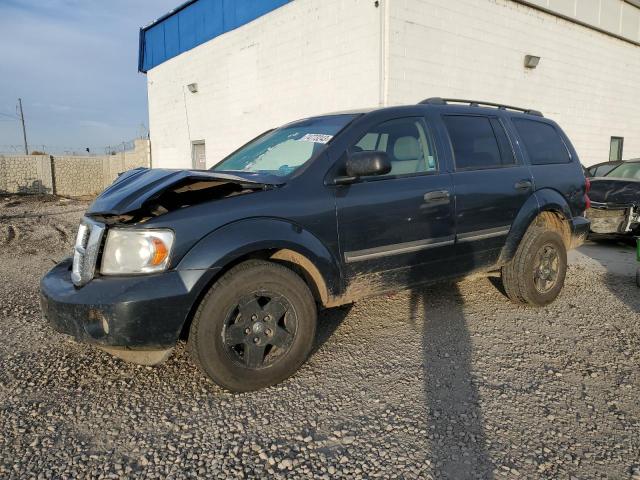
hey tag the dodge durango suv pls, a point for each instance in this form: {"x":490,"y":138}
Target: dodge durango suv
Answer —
{"x":318,"y":213}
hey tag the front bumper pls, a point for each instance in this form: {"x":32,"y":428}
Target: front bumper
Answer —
{"x":145,"y":312}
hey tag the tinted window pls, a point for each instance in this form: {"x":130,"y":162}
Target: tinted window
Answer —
{"x":406,"y":142}
{"x":615,"y":148}
{"x":506,"y":150}
{"x":474,"y":142}
{"x":542,"y":142}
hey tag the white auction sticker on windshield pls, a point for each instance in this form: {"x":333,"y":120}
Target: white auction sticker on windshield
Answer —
{"x":315,"y":138}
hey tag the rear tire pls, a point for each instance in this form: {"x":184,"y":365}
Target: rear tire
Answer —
{"x":254,"y":328}
{"x":535,"y":275}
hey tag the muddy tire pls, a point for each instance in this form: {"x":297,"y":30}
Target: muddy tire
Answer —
{"x":535,"y":276}
{"x":254,"y":327}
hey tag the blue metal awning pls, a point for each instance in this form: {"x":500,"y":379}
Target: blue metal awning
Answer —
{"x":195,"y":23}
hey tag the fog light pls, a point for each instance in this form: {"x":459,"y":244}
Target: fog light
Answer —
{"x":97,"y":324}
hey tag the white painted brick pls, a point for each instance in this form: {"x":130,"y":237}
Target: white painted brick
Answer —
{"x":586,"y":80}
{"x":302,"y":59}
{"x":312,"y":57}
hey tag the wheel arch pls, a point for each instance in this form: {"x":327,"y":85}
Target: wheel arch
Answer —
{"x":268,"y":239}
{"x":546,"y":207}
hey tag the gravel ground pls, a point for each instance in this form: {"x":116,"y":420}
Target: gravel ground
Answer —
{"x":451,"y":381}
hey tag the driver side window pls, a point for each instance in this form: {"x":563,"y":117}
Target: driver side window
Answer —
{"x":407,"y":143}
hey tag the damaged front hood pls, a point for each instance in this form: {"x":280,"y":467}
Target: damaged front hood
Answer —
{"x":616,"y":191}
{"x":147,"y":189}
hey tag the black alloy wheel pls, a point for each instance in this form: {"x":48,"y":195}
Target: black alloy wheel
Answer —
{"x":260,"y":329}
{"x":254,"y":327}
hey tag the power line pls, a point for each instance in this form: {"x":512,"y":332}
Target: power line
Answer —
{"x":95,"y":150}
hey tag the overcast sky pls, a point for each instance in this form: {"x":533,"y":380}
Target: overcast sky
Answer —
{"x":74,"y":63}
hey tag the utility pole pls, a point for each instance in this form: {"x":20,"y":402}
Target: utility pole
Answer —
{"x":24,"y":130}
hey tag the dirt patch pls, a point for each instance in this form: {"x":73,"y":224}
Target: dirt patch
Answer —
{"x":450,"y":381}
{"x":39,"y":224}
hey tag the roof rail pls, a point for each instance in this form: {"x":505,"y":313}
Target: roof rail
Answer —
{"x":477,"y":103}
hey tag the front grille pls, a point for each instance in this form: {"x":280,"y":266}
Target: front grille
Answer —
{"x":86,"y":250}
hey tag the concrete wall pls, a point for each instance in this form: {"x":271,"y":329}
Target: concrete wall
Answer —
{"x":29,"y":174}
{"x":305,"y":58}
{"x":619,"y":17}
{"x":586,"y":80}
{"x":70,"y":176}
{"x":76,"y":176}
{"x":140,"y":156}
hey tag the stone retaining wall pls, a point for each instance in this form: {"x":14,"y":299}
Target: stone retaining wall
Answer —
{"x":69,"y":176}
{"x":29,"y":174}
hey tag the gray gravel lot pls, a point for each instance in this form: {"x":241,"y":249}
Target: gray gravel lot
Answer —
{"x":450,"y":381}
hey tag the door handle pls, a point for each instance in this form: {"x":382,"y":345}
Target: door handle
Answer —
{"x":439,"y":196}
{"x":523,"y":185}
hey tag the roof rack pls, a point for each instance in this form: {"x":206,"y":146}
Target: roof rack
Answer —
{"x":477,"y":103}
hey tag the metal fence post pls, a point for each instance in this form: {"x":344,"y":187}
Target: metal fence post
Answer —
{"x":52,"y":162}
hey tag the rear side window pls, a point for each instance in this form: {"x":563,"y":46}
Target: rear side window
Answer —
{"x":542,"y":142}
{"x":478,"y":142}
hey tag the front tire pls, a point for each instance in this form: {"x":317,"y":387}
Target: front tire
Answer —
{"x":535,"y":276}
{"x":254,"y":328}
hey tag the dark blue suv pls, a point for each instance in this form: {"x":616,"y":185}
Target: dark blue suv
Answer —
{"x":318,"y":213}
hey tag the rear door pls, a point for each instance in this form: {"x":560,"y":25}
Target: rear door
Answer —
{"x":554,"y":162}
{"x":393,"y":229}
{"x":490,"y":184}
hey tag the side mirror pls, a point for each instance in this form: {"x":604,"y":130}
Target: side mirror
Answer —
{"x":367,"y":164}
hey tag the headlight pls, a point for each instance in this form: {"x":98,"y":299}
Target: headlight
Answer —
{"x":136,"y":251}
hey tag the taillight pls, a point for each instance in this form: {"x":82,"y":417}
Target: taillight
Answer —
{"x":587,"y":187}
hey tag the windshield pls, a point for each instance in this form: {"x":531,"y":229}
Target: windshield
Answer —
{"x":281,"y":151}
{"x":630,"y":171}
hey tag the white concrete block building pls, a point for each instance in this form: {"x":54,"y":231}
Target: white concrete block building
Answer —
{"x":221,"y":72}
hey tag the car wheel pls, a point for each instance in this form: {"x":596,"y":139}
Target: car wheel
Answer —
{"x":254,"y":327}
{"x":535,"y":276}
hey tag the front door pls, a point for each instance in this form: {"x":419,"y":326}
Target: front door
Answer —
{"x":394,"y":227}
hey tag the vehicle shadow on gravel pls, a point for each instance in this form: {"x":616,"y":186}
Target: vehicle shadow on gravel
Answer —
{"x":328,"y":322}
{"x":617,"y":257}
{"x":625,"y":289}
{"x":457,"y":440}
